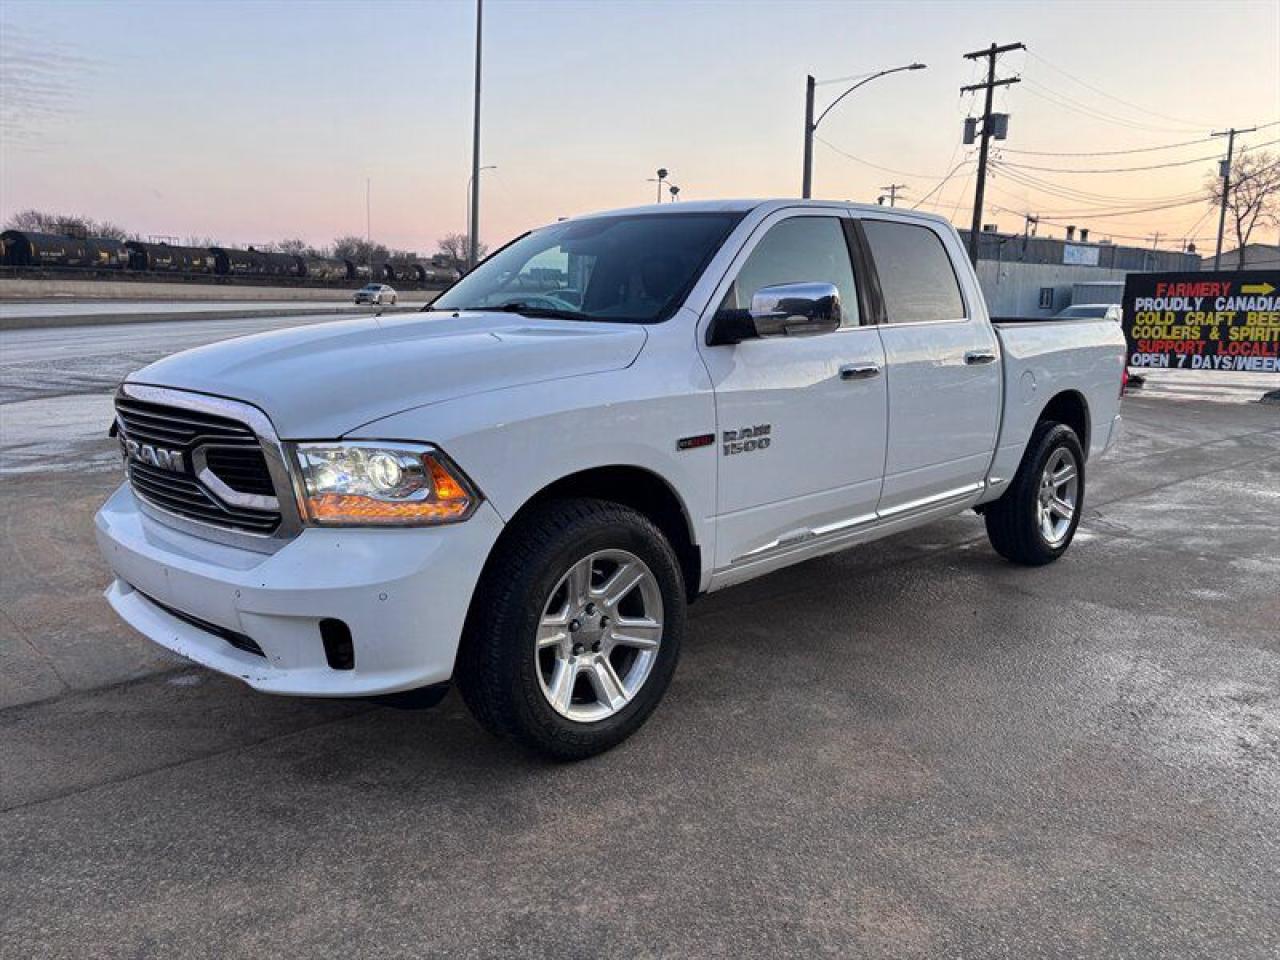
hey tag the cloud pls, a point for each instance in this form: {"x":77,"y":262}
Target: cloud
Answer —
{"x":41,"y":87}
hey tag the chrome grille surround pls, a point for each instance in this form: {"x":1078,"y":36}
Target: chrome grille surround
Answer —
{"x":197,"y":500}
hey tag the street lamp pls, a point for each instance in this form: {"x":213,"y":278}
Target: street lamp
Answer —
{"x":660,"y":180}
{"x":473,"y":248}
{"x":473,"y":215}
{"x":811,"y":125}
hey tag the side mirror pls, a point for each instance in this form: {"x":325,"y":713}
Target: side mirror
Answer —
{"x":785,"y":310}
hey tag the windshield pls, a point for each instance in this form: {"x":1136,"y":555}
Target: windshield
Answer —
{"x":632,"y":269}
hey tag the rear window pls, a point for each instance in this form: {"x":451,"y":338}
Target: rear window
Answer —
{"x":917,"y":280}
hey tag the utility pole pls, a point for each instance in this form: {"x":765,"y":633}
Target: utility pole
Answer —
{"x":473,"y":227}
{"x":892,"y":189}
{"x":368,"y":226}
{"x":1226,"y":185}
{"x":989,"y":86}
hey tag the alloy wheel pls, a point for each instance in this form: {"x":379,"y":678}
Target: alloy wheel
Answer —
{"x":598,"y":636}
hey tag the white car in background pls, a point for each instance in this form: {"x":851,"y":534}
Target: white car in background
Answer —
{"x":1091,"y":311}
{"x":376,"y":293}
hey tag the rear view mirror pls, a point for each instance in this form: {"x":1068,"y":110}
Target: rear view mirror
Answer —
{"x":785,"y":310}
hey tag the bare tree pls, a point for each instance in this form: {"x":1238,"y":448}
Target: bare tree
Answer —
{"x":1253,"y":198}
{"x":358,"y":250}
{"x":455,"y":246}
{"x":75,"y":225}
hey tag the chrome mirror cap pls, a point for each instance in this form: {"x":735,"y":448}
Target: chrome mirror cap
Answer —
{"x":796,"y":309}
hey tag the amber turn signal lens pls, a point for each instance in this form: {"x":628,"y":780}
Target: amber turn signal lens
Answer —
{"x":342,"y":508}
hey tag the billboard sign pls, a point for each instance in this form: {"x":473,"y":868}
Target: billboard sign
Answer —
{"x":1204,"y":321}
{"x":1079,"y":255}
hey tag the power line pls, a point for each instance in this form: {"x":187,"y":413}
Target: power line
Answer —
{"x":874,"y":166}
{"x":941,"y":183}
{"x":1065,"y":192}
{"x":1062,"y":100}
{"x":1117,"y":153}
{"x":1110,"y":96}
{"x":1109,"y":234}
{"x":1109,"y":153}
{"x":1154,"y":166}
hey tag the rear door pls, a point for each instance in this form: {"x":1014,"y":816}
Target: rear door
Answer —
{"x":942,"y":362}
{"x":802,"y":418}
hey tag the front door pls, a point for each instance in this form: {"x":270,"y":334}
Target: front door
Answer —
{"x":943,"y":368}
{"x":801,"y":436}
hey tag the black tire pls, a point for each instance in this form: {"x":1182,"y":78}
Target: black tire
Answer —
{"x":1012,"y":522}
{"x":497,"y":669}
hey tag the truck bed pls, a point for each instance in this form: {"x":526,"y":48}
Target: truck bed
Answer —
{"x":1043,"y":358}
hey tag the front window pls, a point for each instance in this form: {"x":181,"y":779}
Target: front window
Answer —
{"x":632,"y":269}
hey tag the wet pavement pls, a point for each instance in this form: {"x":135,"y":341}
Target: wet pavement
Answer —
{"x":912,"y":749}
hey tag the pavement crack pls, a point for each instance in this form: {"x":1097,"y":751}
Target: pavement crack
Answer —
{"x":175,"y":764}
{"x":42,"y":655}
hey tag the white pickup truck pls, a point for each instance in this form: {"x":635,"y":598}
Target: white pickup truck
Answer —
{"x":519,"y":489}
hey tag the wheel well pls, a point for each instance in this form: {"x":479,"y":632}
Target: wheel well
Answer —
{"x":1070,"y":408}
{"x":641,"y":490}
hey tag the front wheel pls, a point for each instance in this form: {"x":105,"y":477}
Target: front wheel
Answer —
{"x":1036,"y":519}
{"x":575,"y":630}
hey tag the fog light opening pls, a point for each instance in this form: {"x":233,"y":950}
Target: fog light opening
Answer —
{"x":338,"y":649}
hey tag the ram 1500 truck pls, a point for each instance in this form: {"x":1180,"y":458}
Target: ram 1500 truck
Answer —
{"x":520,"y":489}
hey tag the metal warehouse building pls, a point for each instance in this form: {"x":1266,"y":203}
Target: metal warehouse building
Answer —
{"x":1035,"y":276}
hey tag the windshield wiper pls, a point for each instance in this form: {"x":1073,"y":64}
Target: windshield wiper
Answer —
{"x":522,"y":308}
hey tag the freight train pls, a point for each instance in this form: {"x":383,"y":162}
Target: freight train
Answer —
{"x":21,"y":248}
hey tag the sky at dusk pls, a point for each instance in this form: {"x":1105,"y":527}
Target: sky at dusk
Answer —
{"x":249,"y":122}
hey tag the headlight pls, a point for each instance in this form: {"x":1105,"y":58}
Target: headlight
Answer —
{"x":374,"y":482}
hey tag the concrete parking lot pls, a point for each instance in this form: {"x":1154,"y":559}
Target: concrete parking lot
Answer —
{"x":912,"y":749}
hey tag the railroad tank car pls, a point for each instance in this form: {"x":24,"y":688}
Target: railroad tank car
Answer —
{"x":403,"y":272}
{"x":25,"y":248}
{"x":162,"y":257}
{"x":326,"y":268}
{"x":255,"y":263}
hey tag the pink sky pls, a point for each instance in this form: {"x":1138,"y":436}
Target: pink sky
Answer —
{"x":252,"y":122}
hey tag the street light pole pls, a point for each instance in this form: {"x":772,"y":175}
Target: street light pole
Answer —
{"x":473,"y":218}
{"x":811,"y":125}
{"x":470,"y":180}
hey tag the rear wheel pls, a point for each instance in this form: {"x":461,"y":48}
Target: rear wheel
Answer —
{"x":1036,"y":519}
{"x":575,"y":630}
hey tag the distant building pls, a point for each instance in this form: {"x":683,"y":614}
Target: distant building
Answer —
{"x":1257,"y":256}
{"x":1037,"y":276}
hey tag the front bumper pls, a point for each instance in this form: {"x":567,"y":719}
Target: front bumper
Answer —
{"x":403,"y":593}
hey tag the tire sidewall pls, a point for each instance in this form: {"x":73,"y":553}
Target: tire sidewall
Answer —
{"x":1049,"y":440}
{"x":636,"y":536}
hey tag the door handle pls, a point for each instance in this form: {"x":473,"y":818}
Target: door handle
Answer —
{"x":974,"y":357}
{"x":859,"y":371}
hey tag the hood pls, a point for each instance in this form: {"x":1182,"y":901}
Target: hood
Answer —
{"x":324,"y":380}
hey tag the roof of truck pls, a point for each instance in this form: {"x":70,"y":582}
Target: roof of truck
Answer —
{"x":747,"y":205}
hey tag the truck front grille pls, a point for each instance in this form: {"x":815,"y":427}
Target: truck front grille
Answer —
{"x":167,"y":451}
